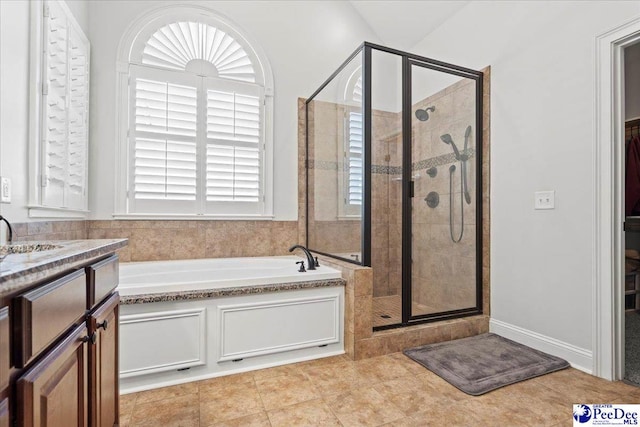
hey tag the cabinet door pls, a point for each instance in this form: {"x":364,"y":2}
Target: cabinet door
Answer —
{"x":53,"y":392}
{"x":5,"y":349}
{"x":4,"y":412}
{"x":103,"y":364}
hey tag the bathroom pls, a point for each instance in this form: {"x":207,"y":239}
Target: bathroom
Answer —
{"x":536,"y":283}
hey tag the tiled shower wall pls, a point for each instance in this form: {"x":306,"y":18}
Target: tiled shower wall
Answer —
{"x":386,"y":203}
{"x":444,"y":272}
{"x":166,"y":240}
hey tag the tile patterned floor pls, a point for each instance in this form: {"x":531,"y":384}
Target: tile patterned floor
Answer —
{"x":389,"y":390}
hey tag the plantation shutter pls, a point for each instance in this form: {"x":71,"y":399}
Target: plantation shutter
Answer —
{"x":354,"y":160}
{"x":234,"y":151}
{"x":65,"y":111}
{"x":164,"y":143}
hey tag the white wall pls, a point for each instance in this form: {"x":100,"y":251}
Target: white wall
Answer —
{"x":542,"y":114}
{"x":632,"y":82}
{"x":14,"y":98}
{"x":304,"y":42}
{"x":14,"y":107}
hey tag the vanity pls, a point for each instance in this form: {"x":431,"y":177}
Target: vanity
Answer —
{"x":59,"y":335}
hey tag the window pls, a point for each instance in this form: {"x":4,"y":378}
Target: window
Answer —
{"x":354,"y":160}
{"x":198,"y":131}
{"x":353,"y":147}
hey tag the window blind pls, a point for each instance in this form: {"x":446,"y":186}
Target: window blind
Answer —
{"x":165,"y":162}
{"x":354,"y":160}
{"x":233,"y":147}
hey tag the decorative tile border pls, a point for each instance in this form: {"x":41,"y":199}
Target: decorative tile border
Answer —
{"x":393,"y":170}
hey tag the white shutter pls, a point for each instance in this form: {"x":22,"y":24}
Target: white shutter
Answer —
{"x":234,"y":155}
{"x":65,"y":111}
{"x":355,"y":160}
{"x":75,"y":192}
{"x":164,"y":141}
{"x":176,"y":45}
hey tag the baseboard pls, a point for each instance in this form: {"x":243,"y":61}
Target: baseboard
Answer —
{"x":579,"y":358}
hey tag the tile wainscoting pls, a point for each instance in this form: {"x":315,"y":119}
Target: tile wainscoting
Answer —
{"x":166,"y":240}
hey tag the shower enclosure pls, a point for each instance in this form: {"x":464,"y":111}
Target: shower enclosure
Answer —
{"x":393,"y":181}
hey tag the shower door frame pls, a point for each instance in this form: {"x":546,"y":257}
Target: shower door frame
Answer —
{"x":408,"y":61}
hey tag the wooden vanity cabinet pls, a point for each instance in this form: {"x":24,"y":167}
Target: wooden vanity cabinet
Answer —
{"x":103,"y":364}
{"x":65,"y":334}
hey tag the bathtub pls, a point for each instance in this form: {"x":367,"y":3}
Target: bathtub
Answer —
{"x":189,"y":320}
{"x":155,"y":277}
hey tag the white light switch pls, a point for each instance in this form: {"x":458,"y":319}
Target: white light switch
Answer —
{"x":545,"y":200}
{"x":5,"y":190}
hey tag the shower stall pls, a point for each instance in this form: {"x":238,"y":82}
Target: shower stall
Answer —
{"x":394,"y":156}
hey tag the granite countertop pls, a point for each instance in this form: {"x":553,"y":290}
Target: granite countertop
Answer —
{"x":21,"y":270}
{"x":224,"y":292}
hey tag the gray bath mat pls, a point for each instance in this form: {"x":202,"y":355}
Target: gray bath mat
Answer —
{"x":479,"y":364}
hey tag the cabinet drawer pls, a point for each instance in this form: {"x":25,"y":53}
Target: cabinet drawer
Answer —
{"x":102,"y":279}
{"x":45,"y":313}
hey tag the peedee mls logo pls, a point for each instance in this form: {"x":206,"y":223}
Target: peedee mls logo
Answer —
{"x":605,"y":415}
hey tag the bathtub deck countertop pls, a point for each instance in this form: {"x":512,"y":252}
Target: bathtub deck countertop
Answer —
{"x":231,"y":291}
{"x":21,"y":270}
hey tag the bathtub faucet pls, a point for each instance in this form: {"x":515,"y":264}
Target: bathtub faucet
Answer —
{"x":313,"y":263}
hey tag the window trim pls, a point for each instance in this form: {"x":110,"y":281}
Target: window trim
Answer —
{"x":135,"y":36}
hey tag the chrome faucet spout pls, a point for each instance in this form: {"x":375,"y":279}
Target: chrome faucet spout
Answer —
{"x":310,"y":261}
{"x":10,"y":236}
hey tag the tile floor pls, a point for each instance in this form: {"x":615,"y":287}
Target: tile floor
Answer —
{"x":388,"y":390}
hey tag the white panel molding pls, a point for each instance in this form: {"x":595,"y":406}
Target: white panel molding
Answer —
{"x":225,"y":311}
{"x":579,"y":358}
{"x":608,"y":247}
{"x":150,"y":383}
{"x":197,"y":360}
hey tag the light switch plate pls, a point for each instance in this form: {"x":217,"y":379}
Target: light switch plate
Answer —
{"x":5,"y":190}
{"x":545,"y":200}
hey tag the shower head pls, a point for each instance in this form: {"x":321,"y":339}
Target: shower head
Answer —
{"x":446,"y":138}
{"x":423,"y":114}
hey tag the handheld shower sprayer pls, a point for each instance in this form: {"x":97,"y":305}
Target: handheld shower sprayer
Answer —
{"x":464,"y":186}
{"x":446,"y":138}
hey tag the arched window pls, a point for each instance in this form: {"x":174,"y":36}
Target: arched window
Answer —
{"x":198,"y":128}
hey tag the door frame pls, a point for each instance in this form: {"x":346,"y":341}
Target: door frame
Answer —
{"x":608,"y":249}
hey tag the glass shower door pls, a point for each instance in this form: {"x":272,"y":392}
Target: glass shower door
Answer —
{"x":445,"y":164}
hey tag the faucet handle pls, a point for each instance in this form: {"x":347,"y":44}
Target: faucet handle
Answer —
{"x":317,"y":264}
{"x":302,"y":269}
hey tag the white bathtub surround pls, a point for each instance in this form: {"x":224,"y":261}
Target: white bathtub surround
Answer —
{"x":251,"y":322}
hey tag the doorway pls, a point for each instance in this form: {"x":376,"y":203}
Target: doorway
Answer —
{"x":631,"y":299}
{"x":609,"y":299}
